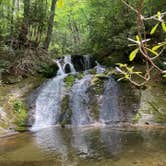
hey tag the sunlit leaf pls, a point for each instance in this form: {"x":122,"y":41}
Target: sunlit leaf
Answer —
{"x":138,"y":72}
{"x":121,"y":64}
{"x":154,"y":29}
{"x":133,"y":54}
{"x":163,"y":26}
{"x":60,"y":3}
{"x":127,"y":76}
{"x":152,"y":51}
{"x":155,"y":48}
{"x":130,"y":69}
{"x":137,"y":38}
{"x":121,"y":79}
{"x":158,"y":15}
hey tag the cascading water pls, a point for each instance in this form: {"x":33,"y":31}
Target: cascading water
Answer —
{"x":99,"y":68}
{"x":87,"y":62}
{"x":48,"y":102}
{"x":67,"y":61}
{"x":109,"y":111}
{"x":79,"y":101}
{"x":83,"y":104}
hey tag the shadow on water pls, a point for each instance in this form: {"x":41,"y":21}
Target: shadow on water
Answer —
{"x":85,"y":146}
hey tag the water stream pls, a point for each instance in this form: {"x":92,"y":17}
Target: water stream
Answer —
{"x":48,"y":102}
{"x":84,"y":103}
{"x":85,"y":147}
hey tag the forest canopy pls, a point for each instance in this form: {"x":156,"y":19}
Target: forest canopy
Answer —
{"x":32,"y":30}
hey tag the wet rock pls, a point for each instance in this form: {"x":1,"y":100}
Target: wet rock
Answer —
{"x":83,"y":62}
{"x":153,"y":104}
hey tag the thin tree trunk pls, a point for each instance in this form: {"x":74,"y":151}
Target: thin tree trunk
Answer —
{"x":50,"y":25}
{"x":25,"y":25}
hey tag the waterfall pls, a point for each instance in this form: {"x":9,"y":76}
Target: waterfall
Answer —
{"x":109,"y":111}
{"x":79,"y":101}
{"x":99,"y":68}
{"x":87,"y":62}
{"x":48,"y":102}
{"x":67,"y":61}
{"x":85,"y":102}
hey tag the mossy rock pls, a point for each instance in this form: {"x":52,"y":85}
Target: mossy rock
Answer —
{"x":137,"y":117}
{"x":102,"y":76}
{"x":69,"y":81}
{"x":94,"y":108}
{"x":21,"y":129}
{"x":48,"y":70}
{"x":79,"y":75}
{"x":159,"y":113}
{"x":66,"y":112}
{"x":92,"y":71}
{"x":97,"y":83}
{"x":20,"y":112}
{"x":110,"y":72}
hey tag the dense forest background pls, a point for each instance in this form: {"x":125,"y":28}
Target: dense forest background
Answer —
{"x":32,"y":32}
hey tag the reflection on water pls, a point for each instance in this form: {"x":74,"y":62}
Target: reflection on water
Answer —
{"x":85,"y":146}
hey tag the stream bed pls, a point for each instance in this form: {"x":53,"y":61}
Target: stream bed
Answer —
{"x":86,"y":146}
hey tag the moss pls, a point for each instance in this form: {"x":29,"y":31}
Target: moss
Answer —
{"x":92,"y":71}
{"x":137,"y":117}
{"x":47,"y":70}
{"x":69,"y":81}
{"x":94,"y":109}
{"x":97,"y":84}
{"x":80,"y":76}
{"x":110,"y":71}
{"x":159,"y":115}
{"x":101,"y":76}
{"x":66,"y":112}
{"x":21,"y":129}
{"x":20,"y":112}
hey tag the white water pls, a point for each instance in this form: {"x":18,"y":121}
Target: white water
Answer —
{"x":79,"y":101}
{"x":48,"y":102}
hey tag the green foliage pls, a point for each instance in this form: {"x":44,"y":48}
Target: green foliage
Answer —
{"x":137,"y":117}
{"x":69,"y":81}
{"x":133,"y":54}
{"x":154,"y":29}
{"x":66,"y":112}
{"x":47,"y":70}
{"x":20,"y":111}
{"x":97,"y":83}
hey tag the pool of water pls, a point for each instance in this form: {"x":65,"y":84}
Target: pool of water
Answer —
{"x":87,"y":146}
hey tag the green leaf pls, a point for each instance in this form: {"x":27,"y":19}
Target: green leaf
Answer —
{"x":163,"y":26}
{"x":121,"y":64}
{"x":127,"y":76}
{"x":164,"y":75}
{"x":133,"y":54}
{"x":137,"y":38}
{"x":158,"y":15}
{"x":154,"y":29}
{"x":121,"y":79}
{"x":130,"y":69}
{"x":155,"y":48}
{"x":153,"y":52}
{"x":59,"y":3}
{"x":138,"y":72}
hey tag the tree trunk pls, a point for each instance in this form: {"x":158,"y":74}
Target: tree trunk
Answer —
{"x":50,"y":25}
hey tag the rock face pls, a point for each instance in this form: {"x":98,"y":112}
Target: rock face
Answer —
{"x":83,"y":62}
{"x":153,"y":105}
{"x":93,"y":96}
{"x":83,"y":99}
{"x":3,"y":121}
